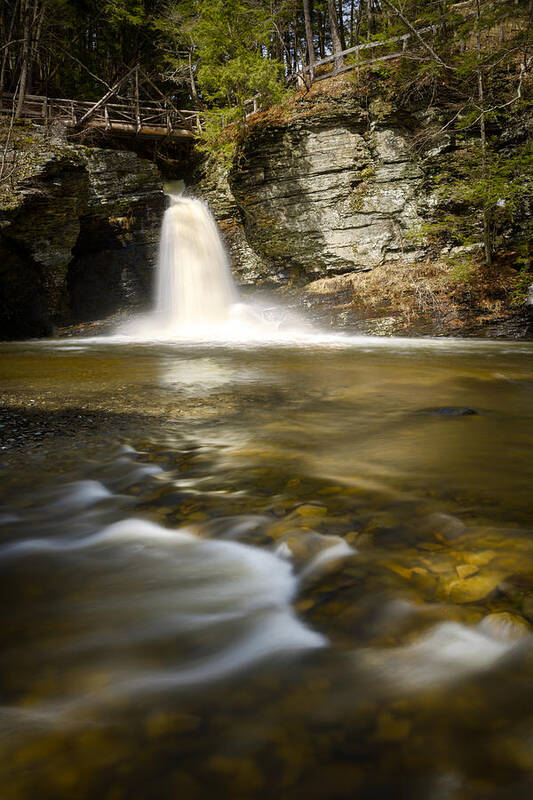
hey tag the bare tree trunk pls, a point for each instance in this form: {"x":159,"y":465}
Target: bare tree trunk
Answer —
{"x":309,"y":39}
{"x":352,"y":20}
{"x":335,"y":34}
{"x":340,"y":19}
{"x":321,"y":36}
{"x":26,"y":55}
{"x":194,"y":91}
{"x":358,"y":21}
{"x":5,"y":55}
{"x":369,"y":19}
{"x":294,"y":50}
{"x":37,"y":27}
{"x":287,"y":51}
{"x":487,"y":234}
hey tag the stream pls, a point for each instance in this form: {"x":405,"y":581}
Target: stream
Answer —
{"x":266,"y":571}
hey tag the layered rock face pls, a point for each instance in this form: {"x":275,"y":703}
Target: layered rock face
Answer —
{"x":328,"y":200}
{"x":78,"y":235}
{"x":39,"y":226}
{"x":330,"y":197}
{"x":115,"y":253}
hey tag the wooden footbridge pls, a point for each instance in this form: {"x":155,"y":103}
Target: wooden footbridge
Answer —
{"x":150,"y":120}
{"x":110,"y":114}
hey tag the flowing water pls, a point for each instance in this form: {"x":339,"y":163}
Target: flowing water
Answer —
{"x":266,"y":570}
{"x":194,"y":284}
{"x":195,"y":296}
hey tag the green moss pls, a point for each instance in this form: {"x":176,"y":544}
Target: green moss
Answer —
{"x":368,"y":173}
{"x":520,"y":290}
{"x":463,"y":270}
{"x":381,"y":109}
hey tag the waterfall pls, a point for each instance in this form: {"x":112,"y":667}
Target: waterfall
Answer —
{"x":195,"y":296}
{"x":194,"y":287}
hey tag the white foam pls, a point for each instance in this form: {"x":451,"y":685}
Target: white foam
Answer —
{"x":178,"y":583}
{"x":278,"y":633}
{"x":334,"y":552}
{"x":77,"y":496}
{"x":129,"y":530}
{"x":9,"y":519}
{"x":448,"y":652}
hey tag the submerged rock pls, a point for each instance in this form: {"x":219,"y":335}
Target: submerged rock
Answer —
{"x":506,"y":626}
{"x":311,"y":551}
{"x":444,"y":525}
{"x":468,"y":589}
{"x":449,"y":411}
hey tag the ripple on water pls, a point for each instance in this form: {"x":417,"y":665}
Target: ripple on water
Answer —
{"x":157,"y":588}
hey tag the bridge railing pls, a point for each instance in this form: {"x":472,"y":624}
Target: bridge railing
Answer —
{"x":358,"y":49}
{"x":159,"y":118}
{"x":360,"y":55}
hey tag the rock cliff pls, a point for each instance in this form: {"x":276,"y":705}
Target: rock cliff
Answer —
{"x":115,"y":252}
{"x":326,"y":201}
{"x":329,"y":197}
{"x":330,"y":188}
{"x":78,"y":232}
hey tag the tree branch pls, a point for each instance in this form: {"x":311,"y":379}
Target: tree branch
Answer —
{"x":415,"y":33}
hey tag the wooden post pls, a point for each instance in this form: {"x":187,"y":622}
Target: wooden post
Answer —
{"x":106,"y":118}
{"x":72,"y":112}
{"x":45,"y":114}
{"x":103,"y":100}
{"x":137,"y":108}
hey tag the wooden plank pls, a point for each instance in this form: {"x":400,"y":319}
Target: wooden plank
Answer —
{"x":107,"y":96}
{"x":153,"y":131}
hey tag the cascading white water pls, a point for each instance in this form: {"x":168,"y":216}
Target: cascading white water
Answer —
{"x":195,"y":296}
{"x":194,"y":287}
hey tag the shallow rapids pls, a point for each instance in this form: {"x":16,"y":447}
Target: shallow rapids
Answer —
{"x":190,"y":587}
{"x":268,"y":572}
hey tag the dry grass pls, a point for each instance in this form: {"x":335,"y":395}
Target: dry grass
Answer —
{"x":321,"y":98}
{"x":421,"y":291}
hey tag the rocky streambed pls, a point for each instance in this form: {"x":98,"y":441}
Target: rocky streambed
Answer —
{"x":269,"y":572}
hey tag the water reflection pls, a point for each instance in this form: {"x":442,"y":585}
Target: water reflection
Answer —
{"x":199,"y":376}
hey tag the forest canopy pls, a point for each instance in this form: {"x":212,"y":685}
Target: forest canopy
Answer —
{"x":217,"y":53}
